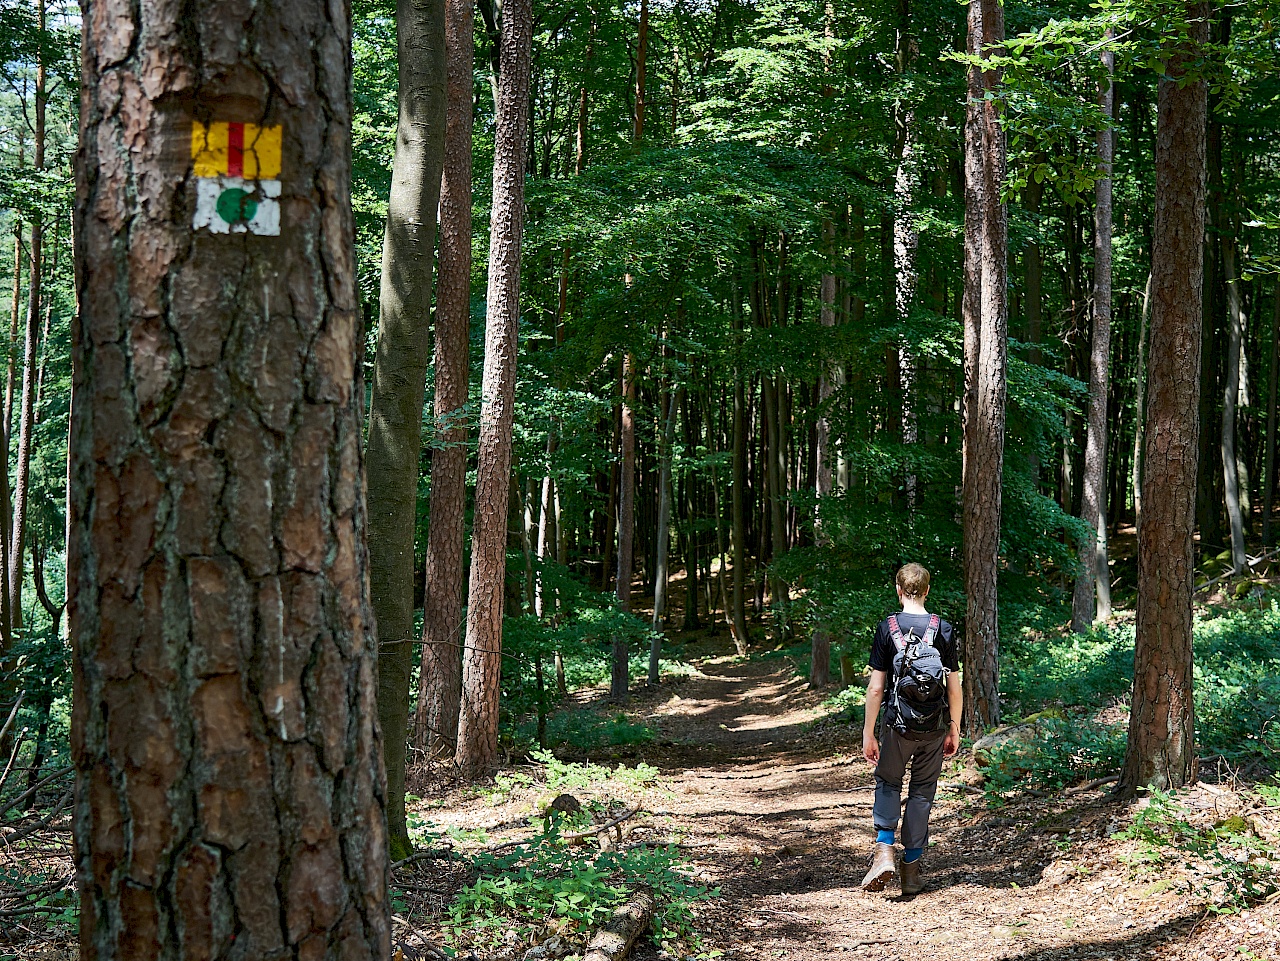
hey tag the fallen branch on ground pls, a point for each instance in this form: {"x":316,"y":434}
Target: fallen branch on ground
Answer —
{"x":436,"y":854}
{"x":32,"y":790}
{"x":614,"y":941}
{"x":1096,"y":782}
{"x":601,"y":828}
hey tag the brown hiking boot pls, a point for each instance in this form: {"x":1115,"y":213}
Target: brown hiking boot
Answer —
{"x":882,"y":868}
{"x":912,"y":883}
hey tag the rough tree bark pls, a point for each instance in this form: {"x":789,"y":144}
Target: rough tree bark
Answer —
{"x":663,"y":535}
{"x":400,"y":375}
{"x":1161,"y":748}
{"x":1094,"y":580}
{"x":1230,"y":397}
{"x":986,"y":353}
{"x":229,"y":793}
{"x":482,"y":651}
{"x":440,"y":684}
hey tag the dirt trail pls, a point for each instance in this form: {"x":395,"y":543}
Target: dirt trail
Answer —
{"x":775,"y":810}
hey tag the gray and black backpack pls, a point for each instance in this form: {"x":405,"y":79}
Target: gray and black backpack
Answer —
{"x":916,"y":706}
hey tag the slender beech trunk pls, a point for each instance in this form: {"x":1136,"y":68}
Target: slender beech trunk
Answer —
{"x":229,"y":782}
{"x":15,"y":316}
{"x":738,"y":493}
{"x":26,"y":416}
{"x":906,"y":242}
{"x":820,"y":640}
{"x":619,"y":680}
{"x":1095,"y":574}
{"x":663,"y":533}
{"x":1269,"y":474}
{"x":986,"y":350}
{"x":482,"y":652}
{"x":1230,"y":397}
{"x":1139,"y":407}
{"x":1161,"y":746}
{"x":400,"y":376}
{"x":440,"y":685}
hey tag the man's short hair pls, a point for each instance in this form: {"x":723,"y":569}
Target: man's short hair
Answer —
{"x":913,"y":580}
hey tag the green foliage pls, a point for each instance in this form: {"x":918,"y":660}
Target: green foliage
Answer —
{"x":1064,"y":751}
{"x":546,"y":882}
{"x":1229,"y":866}
{"x":1237,"y":684}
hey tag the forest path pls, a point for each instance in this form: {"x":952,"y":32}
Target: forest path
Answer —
{"x":774,"y":809}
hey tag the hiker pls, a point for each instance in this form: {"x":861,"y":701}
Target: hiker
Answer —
{"x":913,"y":659}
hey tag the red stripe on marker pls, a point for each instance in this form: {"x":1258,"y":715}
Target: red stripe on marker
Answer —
{"x":235,"y":150}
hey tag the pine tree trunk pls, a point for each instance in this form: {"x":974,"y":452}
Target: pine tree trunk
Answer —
{"x":440,"y":684}
{"x":1269,"y":473}
{"x":1094,"y":579}
{"x":482,"y":652}
{"x":400,"y":376}
{"x":230,"y":792}
{"x":1230,"y":395}
{"x":984,"y":421}
{"x":1161,"y":749}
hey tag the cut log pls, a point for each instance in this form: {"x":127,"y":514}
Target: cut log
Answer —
{"x":614,"y":941}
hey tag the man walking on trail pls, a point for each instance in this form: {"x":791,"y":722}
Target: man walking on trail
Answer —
{"x":913,"y":658}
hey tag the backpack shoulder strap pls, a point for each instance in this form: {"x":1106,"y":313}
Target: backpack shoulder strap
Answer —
{"x":895,"y":632}
{"x":935,"y":625}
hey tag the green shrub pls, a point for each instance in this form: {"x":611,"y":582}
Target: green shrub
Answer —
{"x":1064,"y":751}
{"x":546,"y":884}
{"x":1229,"y":866}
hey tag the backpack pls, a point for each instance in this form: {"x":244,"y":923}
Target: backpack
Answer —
{"x":916,"y":706}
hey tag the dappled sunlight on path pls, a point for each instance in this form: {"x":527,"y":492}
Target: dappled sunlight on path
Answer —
{"x":772,"y":803}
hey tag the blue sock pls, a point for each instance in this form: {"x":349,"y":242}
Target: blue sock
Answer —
{"x":911,"y":854}
{"x":885,"y":837}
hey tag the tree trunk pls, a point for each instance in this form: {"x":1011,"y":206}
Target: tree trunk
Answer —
{"x":1139,"y":407}
{"x":1230,"y":396}
{"x":820,"y":640}
{"x":1269,"y":474}
{"x":1161,"y":749}
{"x":619,"y":680}
{"x":482,"y":652}
{"x":230,"y":793}
{"x":738,"y":493}
{"x":440,"y":684}
{"x":22,"y":475}
{"x":986,"y":348}
{"x":906,"y":242}
{"x":1094,"y":578}
{"x":667,"y":406}
{"x":399,"y":376}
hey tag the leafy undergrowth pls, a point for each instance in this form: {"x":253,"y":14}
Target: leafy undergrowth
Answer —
{"x":1226,"y":861}
{"x":545,"y":888}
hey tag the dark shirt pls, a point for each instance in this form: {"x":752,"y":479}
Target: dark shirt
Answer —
{"x":882,"y":649}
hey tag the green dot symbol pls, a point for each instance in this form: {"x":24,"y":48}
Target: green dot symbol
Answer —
{"x":236,"y":206}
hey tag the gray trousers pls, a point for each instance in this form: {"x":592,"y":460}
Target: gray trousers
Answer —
{"x":925,"y":761}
